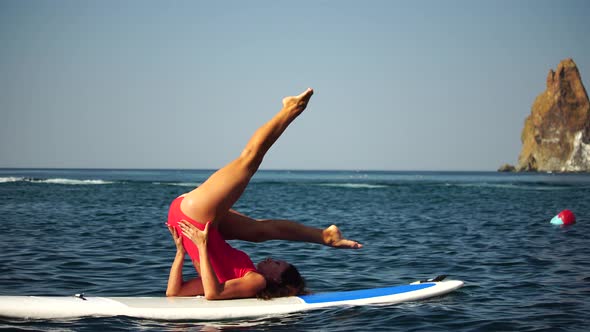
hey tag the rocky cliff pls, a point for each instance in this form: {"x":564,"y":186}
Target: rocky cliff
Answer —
{"x":556,"y":135}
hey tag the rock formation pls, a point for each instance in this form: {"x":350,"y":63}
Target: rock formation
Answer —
{"x":556,"y":135}
{"x":506,"y":168}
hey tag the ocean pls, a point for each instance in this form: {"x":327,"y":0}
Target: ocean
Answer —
{"x":102,"y":233}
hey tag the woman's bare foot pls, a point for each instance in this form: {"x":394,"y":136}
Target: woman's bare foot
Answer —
{"x":298,"y":103}
{"x":333,"y":237}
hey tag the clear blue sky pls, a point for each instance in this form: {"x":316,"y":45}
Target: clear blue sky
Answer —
{"x":400,"y":85}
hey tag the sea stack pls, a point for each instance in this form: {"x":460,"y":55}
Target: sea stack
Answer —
{"x":556,"y":135}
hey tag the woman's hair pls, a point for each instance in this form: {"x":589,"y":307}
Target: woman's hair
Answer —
{"x":291,"y":284}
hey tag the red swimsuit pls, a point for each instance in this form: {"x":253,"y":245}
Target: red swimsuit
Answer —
{"x":227,"y":262}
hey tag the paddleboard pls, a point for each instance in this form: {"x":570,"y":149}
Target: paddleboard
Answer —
{"x":198,"y":308}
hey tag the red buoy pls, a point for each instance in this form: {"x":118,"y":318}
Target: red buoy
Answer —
{"x":568,"y":217}
{"x":565,"y":218}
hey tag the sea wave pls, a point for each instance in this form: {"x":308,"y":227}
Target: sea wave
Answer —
{"x":11,"y":179}
{"x":179,"y":184}
{"x":353,"y":185}
{"x":510,"y":186}
{"x":54,"y":181}
{"x":72,"y":181}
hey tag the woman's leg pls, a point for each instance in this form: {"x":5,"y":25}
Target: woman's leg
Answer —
{"x":212,"y":200}
{"x":239,"y":226}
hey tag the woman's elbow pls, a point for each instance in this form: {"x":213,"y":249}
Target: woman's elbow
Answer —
{"x":217,"y":294}
{"x":171,"y":293}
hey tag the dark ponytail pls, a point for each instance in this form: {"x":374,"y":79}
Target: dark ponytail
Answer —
{"x":291,"y":284}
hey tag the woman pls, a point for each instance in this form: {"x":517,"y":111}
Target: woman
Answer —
{"x":201,"y":220}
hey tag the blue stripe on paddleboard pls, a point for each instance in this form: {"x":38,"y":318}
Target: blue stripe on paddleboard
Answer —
{"x":362,"y":294}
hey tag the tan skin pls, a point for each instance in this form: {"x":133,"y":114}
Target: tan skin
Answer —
{"x":212,"y":201}
{"x":176,"y":285}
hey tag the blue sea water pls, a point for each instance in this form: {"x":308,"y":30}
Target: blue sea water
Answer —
{"x":102,"y":232}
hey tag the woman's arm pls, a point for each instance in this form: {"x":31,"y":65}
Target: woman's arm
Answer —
{"x":175,"y":278}
{"x":247,"y":286}
{"x":176,"y":285}
{"x":175,"y":281}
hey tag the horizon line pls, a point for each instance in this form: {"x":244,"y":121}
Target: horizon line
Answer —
{"x":261,"y":169}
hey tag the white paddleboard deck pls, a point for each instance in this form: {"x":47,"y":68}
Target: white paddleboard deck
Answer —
{"x":198,"y":308}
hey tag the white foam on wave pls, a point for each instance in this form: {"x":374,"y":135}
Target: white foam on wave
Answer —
{"x":11,"y":179}
{"x":52,"y":181}
{"x":69,"y":181}
{"x":354,"y":185}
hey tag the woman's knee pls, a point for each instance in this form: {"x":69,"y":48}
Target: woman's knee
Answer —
{"x":250,"y":158}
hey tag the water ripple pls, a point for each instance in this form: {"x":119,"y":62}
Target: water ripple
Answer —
{"x":490,"y":230}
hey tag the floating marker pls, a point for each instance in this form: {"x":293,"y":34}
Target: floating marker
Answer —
{"x":565,"y":218}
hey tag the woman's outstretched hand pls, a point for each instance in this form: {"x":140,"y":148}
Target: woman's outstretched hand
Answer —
{"x":333,"y":237}
{"x":191,"y":231}
{"x":177,"y":240}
